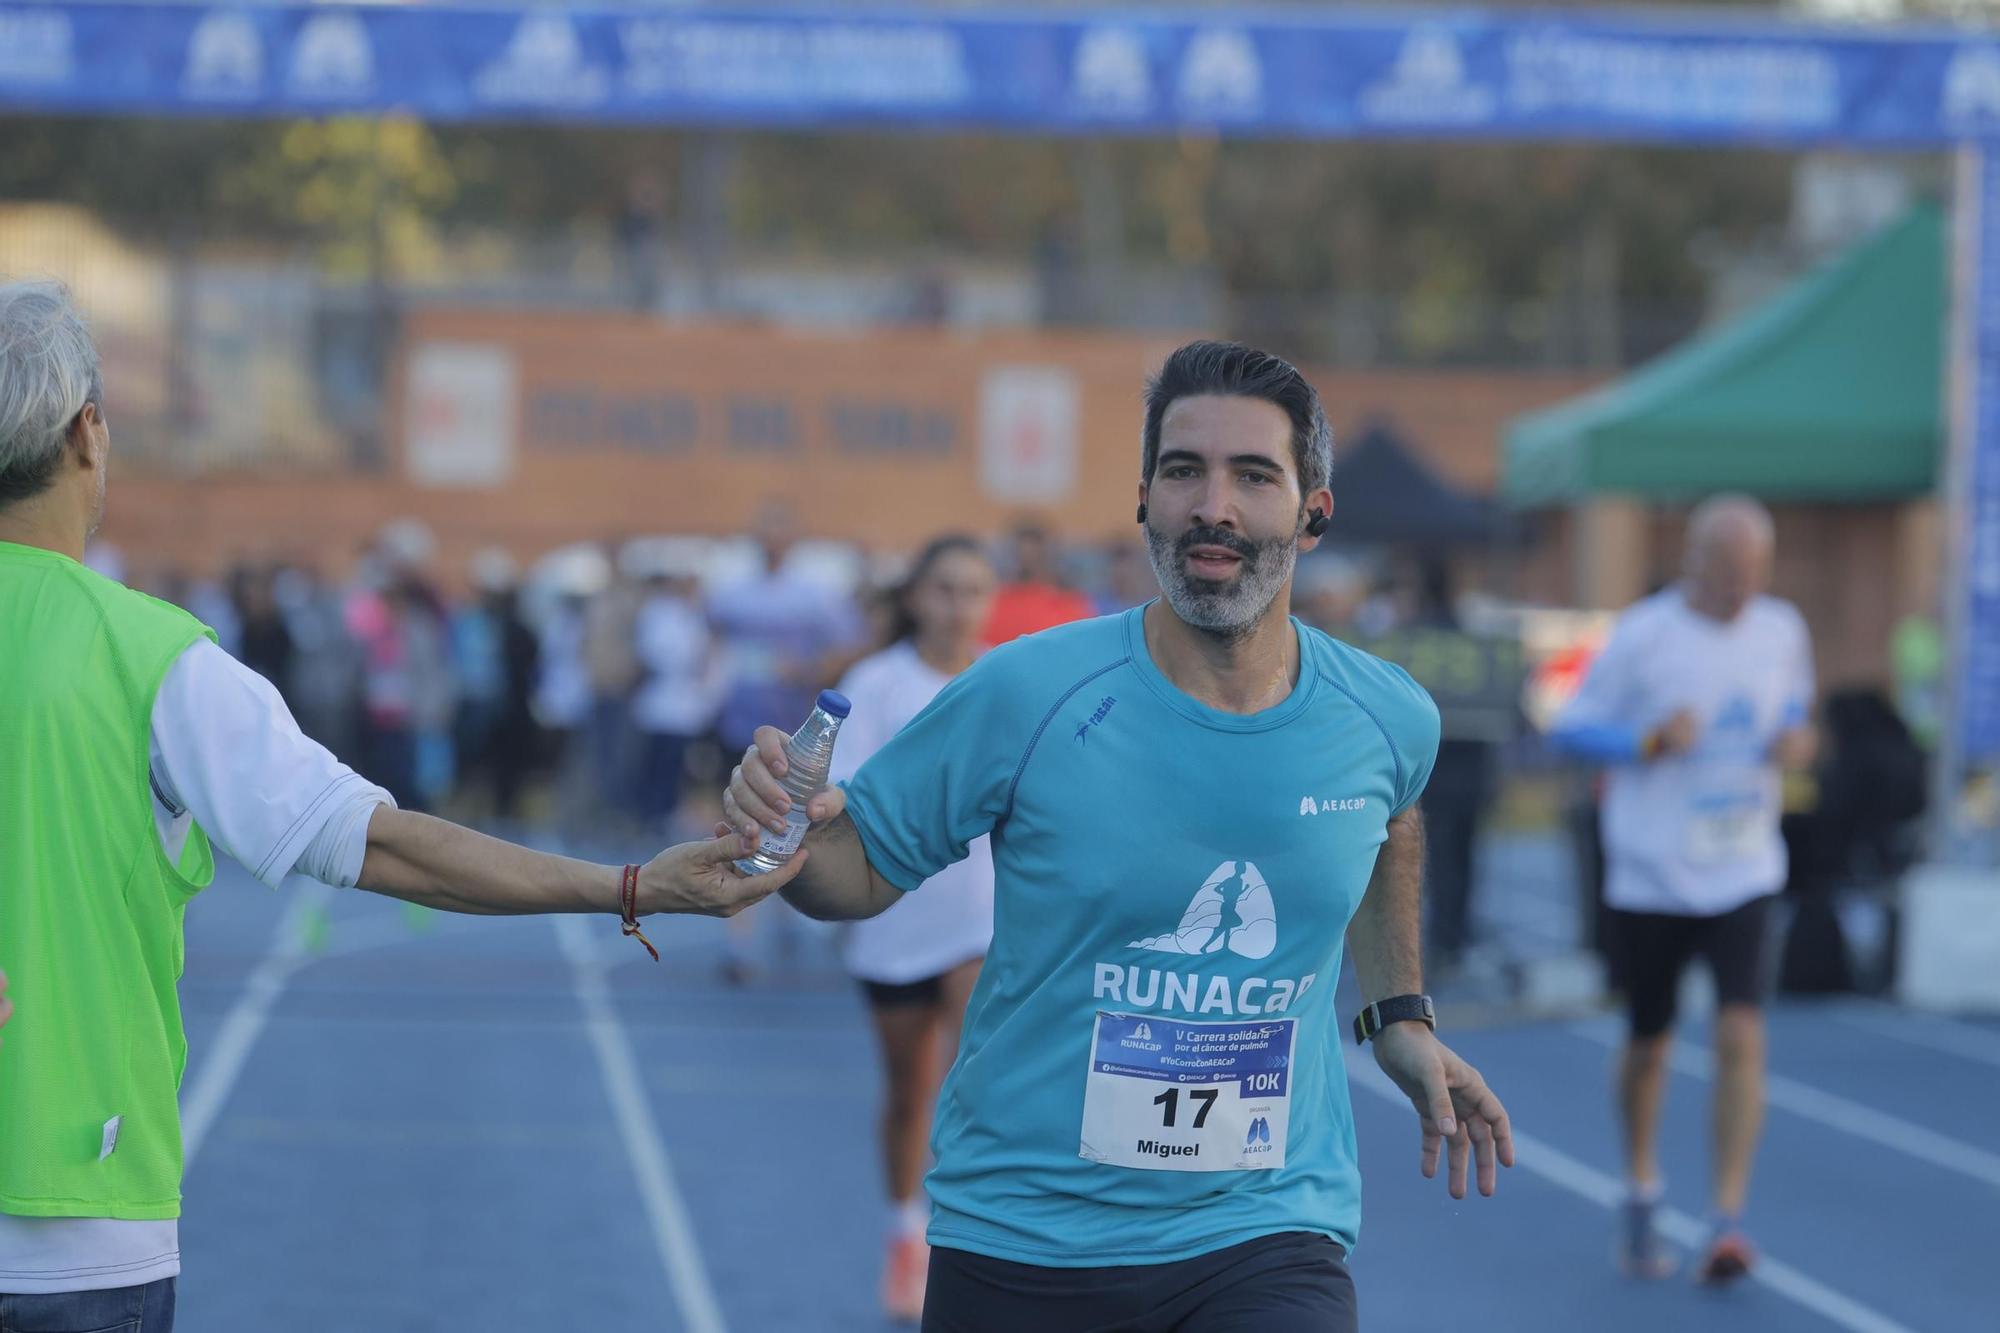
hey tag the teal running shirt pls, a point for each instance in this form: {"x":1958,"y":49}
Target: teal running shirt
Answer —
{"x":1150,"y":1067}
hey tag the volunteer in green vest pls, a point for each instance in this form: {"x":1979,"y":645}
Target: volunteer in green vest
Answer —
{"x":131,"y":749}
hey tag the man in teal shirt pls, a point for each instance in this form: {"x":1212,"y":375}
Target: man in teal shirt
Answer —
{"x":1190,"y":804}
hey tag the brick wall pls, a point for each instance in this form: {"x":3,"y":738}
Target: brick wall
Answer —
{"x":622,"y":426}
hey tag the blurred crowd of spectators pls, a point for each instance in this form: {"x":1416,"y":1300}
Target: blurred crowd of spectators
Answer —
{"x":603,"y":690}
{"x":586,"y":689}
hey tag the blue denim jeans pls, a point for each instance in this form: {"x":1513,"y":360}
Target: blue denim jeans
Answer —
{"x":147,"y":1309}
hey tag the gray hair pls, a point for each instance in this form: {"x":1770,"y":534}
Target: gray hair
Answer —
{"x":1730,"y":514}
{"x":48,"y":371}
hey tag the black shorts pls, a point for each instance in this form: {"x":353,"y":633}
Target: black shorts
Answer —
{"x":901,"y":994}
{"x":1654,"y":948}
{"x":1293,"y":1282}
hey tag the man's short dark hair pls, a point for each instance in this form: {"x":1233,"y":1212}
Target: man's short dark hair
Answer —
{"x":1211,"y":367}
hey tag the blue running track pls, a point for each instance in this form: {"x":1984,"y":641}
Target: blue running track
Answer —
{"x":405,"y":1122}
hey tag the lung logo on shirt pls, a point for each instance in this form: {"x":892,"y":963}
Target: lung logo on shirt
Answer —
{"x":1733,"y":732}
{"x":1231,"y":911}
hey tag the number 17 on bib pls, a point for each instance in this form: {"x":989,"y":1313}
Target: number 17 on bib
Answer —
{"x":1163,"y":1095}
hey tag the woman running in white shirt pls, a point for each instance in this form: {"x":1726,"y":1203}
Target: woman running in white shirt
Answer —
{"x":917,"y":961}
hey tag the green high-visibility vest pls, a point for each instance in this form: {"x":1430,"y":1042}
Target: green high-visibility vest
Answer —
{"x":90,"y":906}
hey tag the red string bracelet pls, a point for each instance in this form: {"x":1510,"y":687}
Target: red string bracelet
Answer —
{"x":628,"y":909}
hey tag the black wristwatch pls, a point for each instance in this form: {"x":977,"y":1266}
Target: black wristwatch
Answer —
{"x":1395,"y":1009}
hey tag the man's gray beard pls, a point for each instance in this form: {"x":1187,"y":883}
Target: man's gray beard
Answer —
{"x":1227,"y":610}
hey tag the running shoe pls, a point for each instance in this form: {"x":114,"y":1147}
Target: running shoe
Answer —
{"x":1730,"y":1258}
{"x":1641,"y":1252}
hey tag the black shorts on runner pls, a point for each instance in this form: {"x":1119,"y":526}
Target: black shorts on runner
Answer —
{"x":1654,"y":948}
{"x":898,"y":994}
{"x":1293,"y":1282}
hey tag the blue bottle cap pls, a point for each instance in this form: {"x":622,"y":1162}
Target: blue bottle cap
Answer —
{"x":834,"y":703}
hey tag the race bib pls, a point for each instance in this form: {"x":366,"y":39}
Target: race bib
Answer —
{"x":1165,"y":1095}
{"x":1727,"y":829}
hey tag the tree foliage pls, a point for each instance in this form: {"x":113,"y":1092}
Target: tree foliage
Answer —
{"x":1437,"y":239}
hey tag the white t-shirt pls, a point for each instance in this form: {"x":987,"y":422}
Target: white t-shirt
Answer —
{"x":562,"y":685}
{"x":773,"y":630}
{"x":1697,"y":834}
{"x":948,"y":919}
{"x":678,"y":694}
{"x":216,"y":723}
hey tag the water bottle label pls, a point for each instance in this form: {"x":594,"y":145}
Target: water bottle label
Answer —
{"x":782,"y":845}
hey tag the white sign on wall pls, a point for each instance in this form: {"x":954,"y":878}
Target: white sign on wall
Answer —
{"x":459,"y":415}
{"x":1028,"y":434}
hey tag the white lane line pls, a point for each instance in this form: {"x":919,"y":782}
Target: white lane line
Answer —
{"x":673,"y":1231}
{"x":1566,"y":1172}
{"x":213,"y":1082}
{"x":1932,"y":1031}
{"x":1835,"y":1112}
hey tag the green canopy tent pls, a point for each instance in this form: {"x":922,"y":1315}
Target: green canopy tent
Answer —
{"x":1830,"y":391}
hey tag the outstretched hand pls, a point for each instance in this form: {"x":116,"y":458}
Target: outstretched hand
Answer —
{"x":1452,"y":1101}
{"x":698,"y":877}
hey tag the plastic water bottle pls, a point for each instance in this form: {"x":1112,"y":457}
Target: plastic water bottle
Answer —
{"x":808,"y":758}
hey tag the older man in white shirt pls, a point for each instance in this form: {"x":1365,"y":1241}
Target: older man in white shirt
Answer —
{"x":1698,"y":702}
{"x":131,"y":748}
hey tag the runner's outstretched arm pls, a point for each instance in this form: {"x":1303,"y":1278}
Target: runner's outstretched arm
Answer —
{"x":840,"y":885}
{"x":1451,"y":1099}
{"x":437,"y":863}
